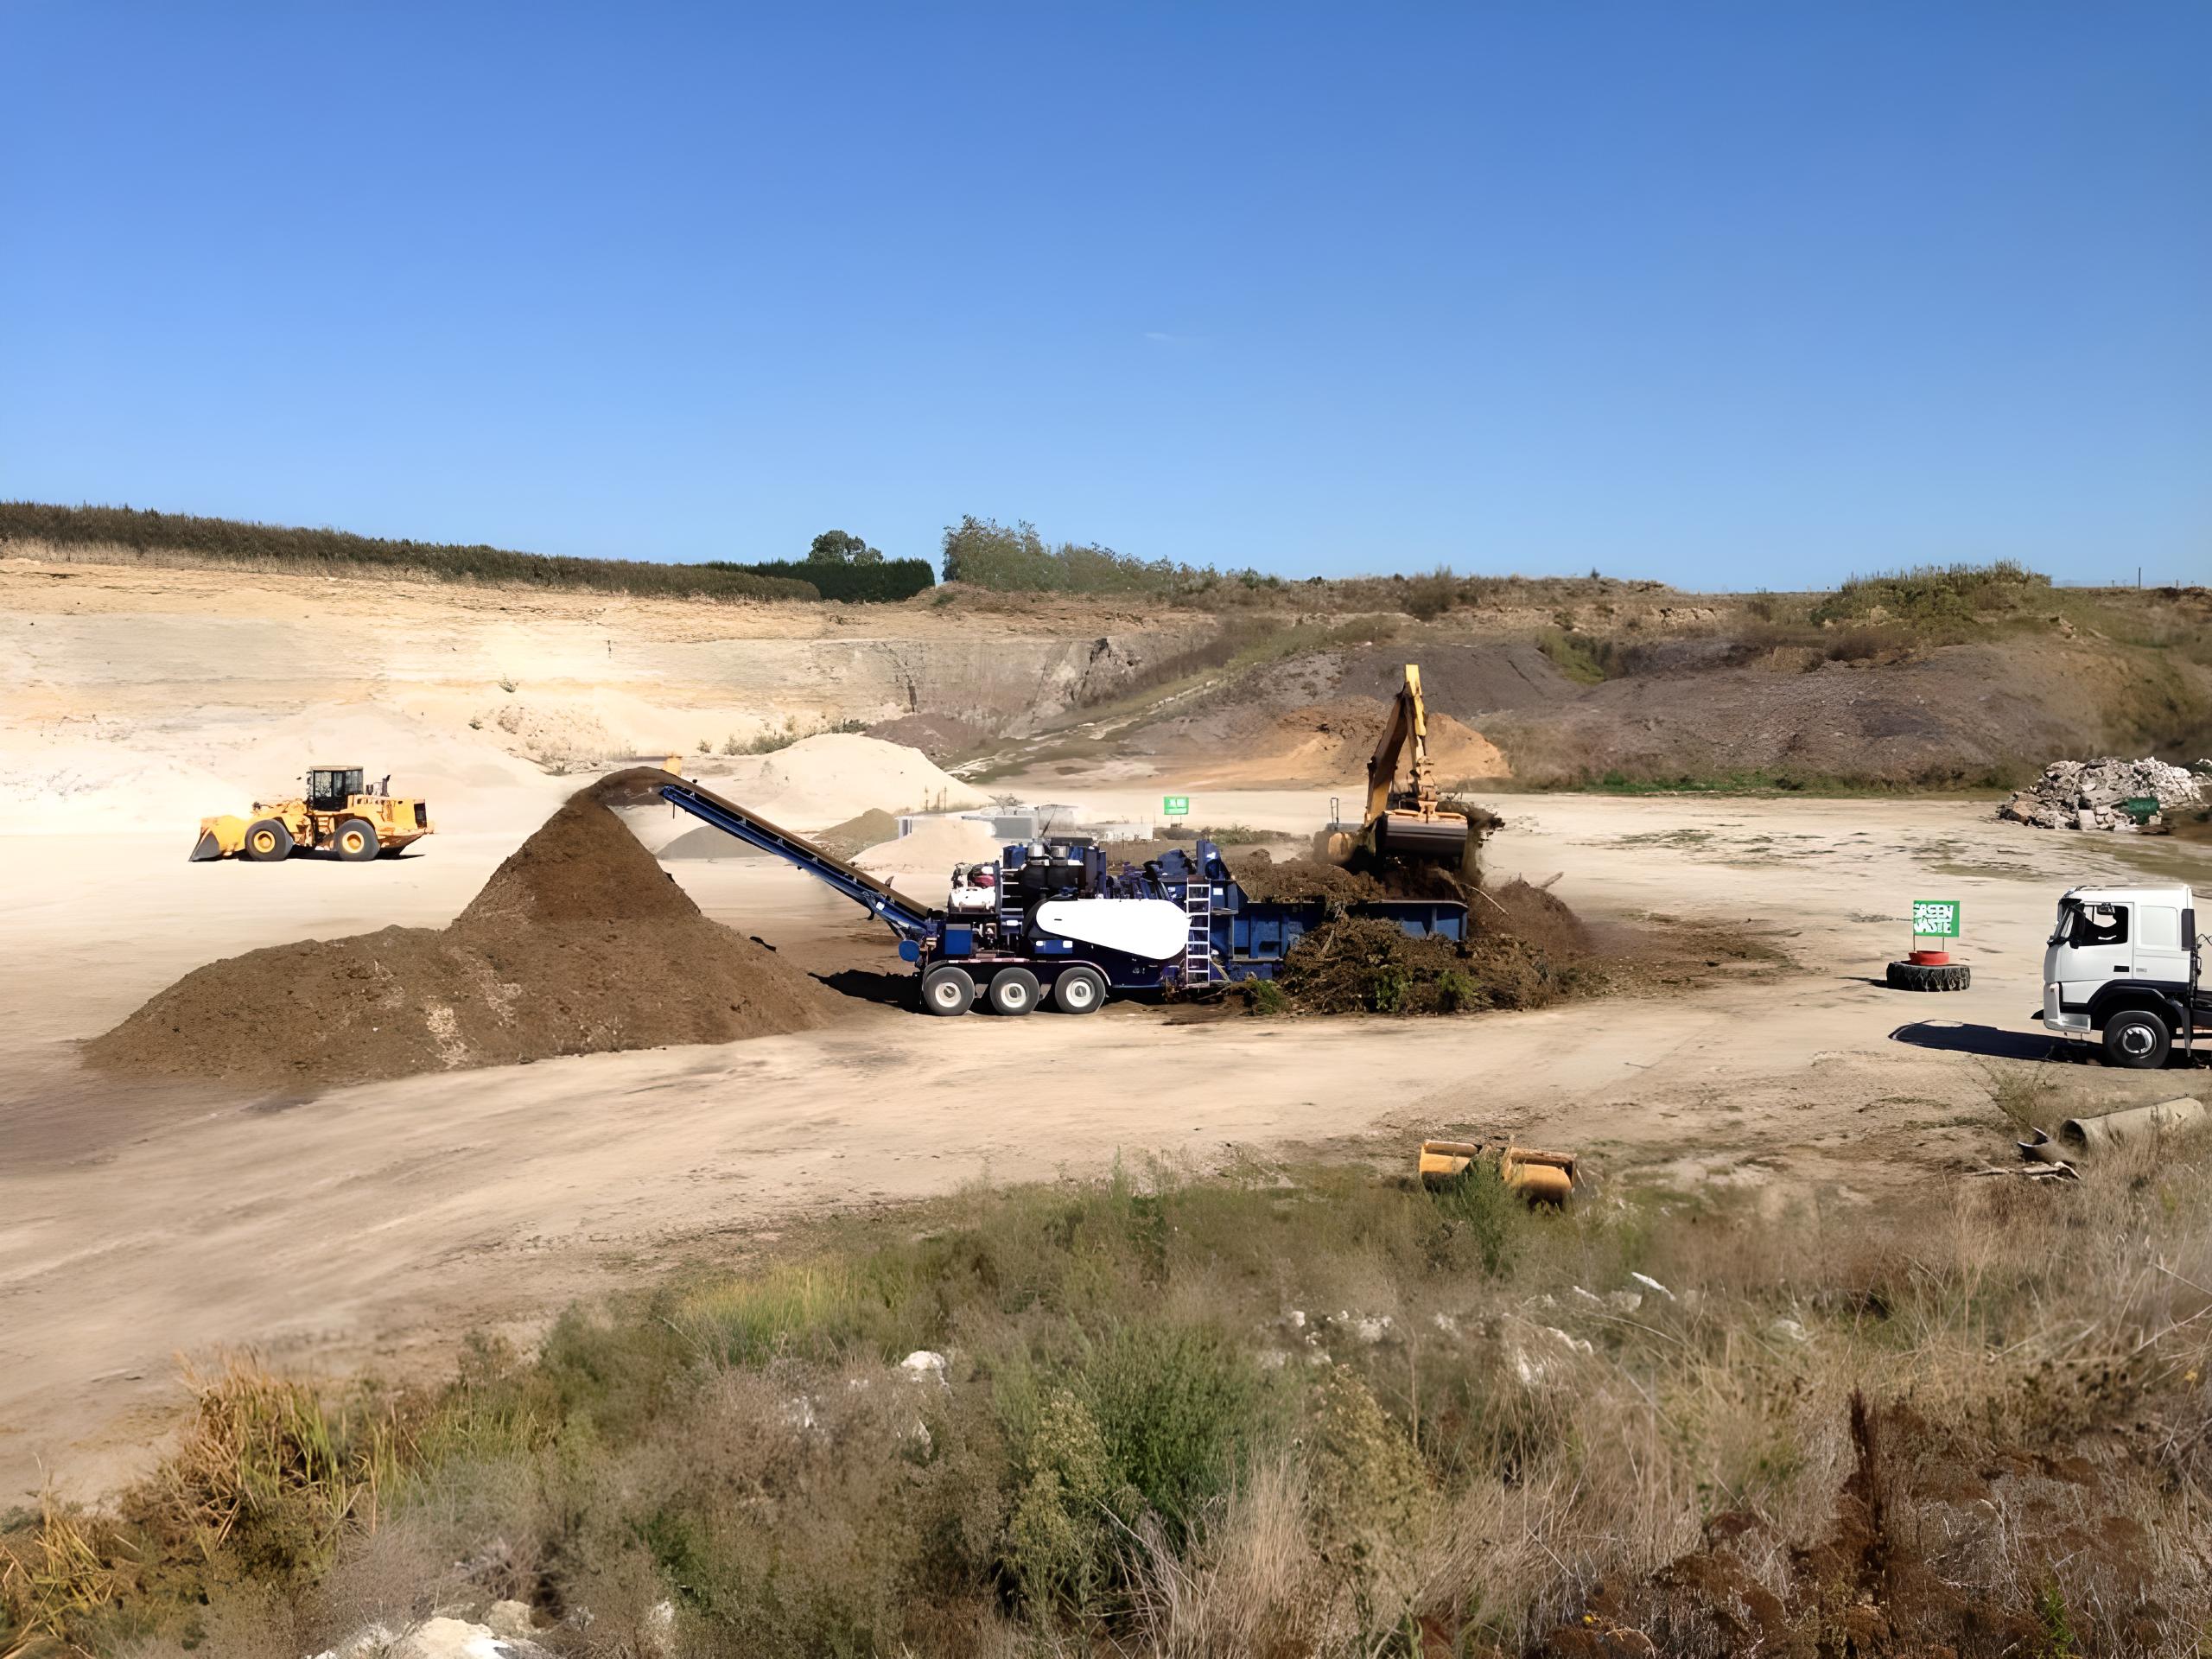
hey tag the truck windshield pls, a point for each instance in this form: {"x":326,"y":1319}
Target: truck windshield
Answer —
{"x":2067,"y":908}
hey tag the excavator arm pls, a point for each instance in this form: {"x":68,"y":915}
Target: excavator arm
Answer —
{"x":1408,"y":725}
{"x":1407,"y":823}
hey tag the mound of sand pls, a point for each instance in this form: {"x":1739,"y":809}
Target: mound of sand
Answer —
{"x":935,"y":846}
{"x":839,"y":775}
{"x":707,"y":841}
{"x":843,"y":839}
{"x":1251,"y":745}
{"x":580,"y":943}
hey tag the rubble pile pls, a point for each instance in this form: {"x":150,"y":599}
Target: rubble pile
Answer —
{"x":2087,"y":794}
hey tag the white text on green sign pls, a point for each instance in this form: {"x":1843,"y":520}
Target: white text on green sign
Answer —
{"x":1175,"y":806}
{"x":1935,"y":918}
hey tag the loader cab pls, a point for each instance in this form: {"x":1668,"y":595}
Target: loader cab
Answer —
{"x":330,"y":788}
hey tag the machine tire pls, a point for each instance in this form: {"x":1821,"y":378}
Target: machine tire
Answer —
{"x":1013,"y":990}
{"x":2139,"y":1039}
{"x":1920,"y":977}
{"x":267,"y":842}
{"x":947,"y":990}
{"x":356,"y":850}
{"x":1079,"y":990}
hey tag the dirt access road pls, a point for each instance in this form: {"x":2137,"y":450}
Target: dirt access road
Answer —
{"x":376,"y":1225}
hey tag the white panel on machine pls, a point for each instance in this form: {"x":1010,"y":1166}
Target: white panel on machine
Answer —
{"x":1151,"y":928}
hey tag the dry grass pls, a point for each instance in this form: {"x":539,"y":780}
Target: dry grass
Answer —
{"x":1301,"y":1408}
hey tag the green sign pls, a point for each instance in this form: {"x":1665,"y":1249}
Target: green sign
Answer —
{"x":1175,"y":806}
{"x":1935,"y":918}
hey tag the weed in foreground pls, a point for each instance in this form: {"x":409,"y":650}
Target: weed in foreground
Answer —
{"x":1299,"y":1408}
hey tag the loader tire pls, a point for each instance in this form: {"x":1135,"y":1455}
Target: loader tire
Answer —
{"x":1920,"y":977}
{"x":947,"y":990}
{"x":1079,"y":990}
{"x":356,"y":841}
{"x":267,"y":842}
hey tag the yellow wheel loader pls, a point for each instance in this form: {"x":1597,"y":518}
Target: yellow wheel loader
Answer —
{"x":336,"y":812}
{"x":1404,"y":823}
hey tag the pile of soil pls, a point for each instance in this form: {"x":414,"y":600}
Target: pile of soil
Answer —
{"x":1923,"y":1515}
{"x":579,"y":944}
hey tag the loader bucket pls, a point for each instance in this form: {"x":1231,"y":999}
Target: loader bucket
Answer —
{"x":205,"y":847}
{"x":1539,"y":1177}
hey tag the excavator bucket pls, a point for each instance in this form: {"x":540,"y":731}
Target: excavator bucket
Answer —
{"x":1409,"y":837}
{"x":205,"y":847}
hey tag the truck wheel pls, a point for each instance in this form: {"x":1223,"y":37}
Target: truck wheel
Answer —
{"x":1079,"y":990}
{"x":1920,"y":976}
{"x":947,"y":989}
{"x":357,"y":841}
{"x":1013,"y":990}
{"x":267,"y":842}
{"x":2137,"y":1039}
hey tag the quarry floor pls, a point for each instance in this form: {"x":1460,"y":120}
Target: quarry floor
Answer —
{"x":374,"y":1226}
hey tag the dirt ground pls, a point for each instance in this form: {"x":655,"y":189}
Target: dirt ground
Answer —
{"x":374,"y":1226}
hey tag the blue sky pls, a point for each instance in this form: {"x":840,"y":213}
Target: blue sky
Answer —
{"x":1734,"y":295}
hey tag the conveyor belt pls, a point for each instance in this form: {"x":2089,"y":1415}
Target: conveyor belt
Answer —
{"x":902,"y":913}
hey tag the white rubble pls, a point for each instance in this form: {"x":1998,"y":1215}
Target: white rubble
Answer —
{"x":436,"y":1638}
{"x":926,"y":1367}
{"x":2086,"y":794}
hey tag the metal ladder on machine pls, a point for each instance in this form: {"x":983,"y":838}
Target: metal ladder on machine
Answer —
{"x":1198,"y":944}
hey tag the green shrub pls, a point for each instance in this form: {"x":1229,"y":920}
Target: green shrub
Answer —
{"x":883,"y":583}
{"x":1172,"y":1402}
{"x":1016,"y":559}
{"x":1481,"y":1214}
{"x":1936,"y":596}
{"x":226,"y":540}
{"x":1583,"y":658}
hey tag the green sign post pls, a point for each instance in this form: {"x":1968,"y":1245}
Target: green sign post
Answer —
{"x":1934,"y":918}
{"x":1175,"y":806}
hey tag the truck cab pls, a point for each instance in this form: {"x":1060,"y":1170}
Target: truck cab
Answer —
{"x":2122,"y":963}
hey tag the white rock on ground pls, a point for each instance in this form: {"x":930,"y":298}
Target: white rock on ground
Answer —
{"x":926,"y":1367}
{"x":434,"y":1638}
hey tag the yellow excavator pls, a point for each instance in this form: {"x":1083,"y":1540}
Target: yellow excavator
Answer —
{"x":335,"y":811}
{"x":1404,"y":823}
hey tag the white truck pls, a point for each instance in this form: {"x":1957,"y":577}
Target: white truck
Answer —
{"x":2122,"y":963}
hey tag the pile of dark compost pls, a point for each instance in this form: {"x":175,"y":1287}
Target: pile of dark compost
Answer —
{"x":579,"y":944}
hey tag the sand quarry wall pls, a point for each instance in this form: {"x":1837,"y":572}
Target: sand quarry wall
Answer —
{"x":119,"y":683}
{"x":579,"y":943}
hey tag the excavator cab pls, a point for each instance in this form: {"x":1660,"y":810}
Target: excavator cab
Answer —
{"x":1404,"y":823}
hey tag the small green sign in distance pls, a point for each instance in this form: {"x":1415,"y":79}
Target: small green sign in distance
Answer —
{"x":1175,"y":806}
{"x":1935,"y":918}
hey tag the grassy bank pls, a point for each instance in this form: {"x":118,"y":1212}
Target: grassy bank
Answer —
{"x":1299,"y":1408}
{"x":34,"y":527}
